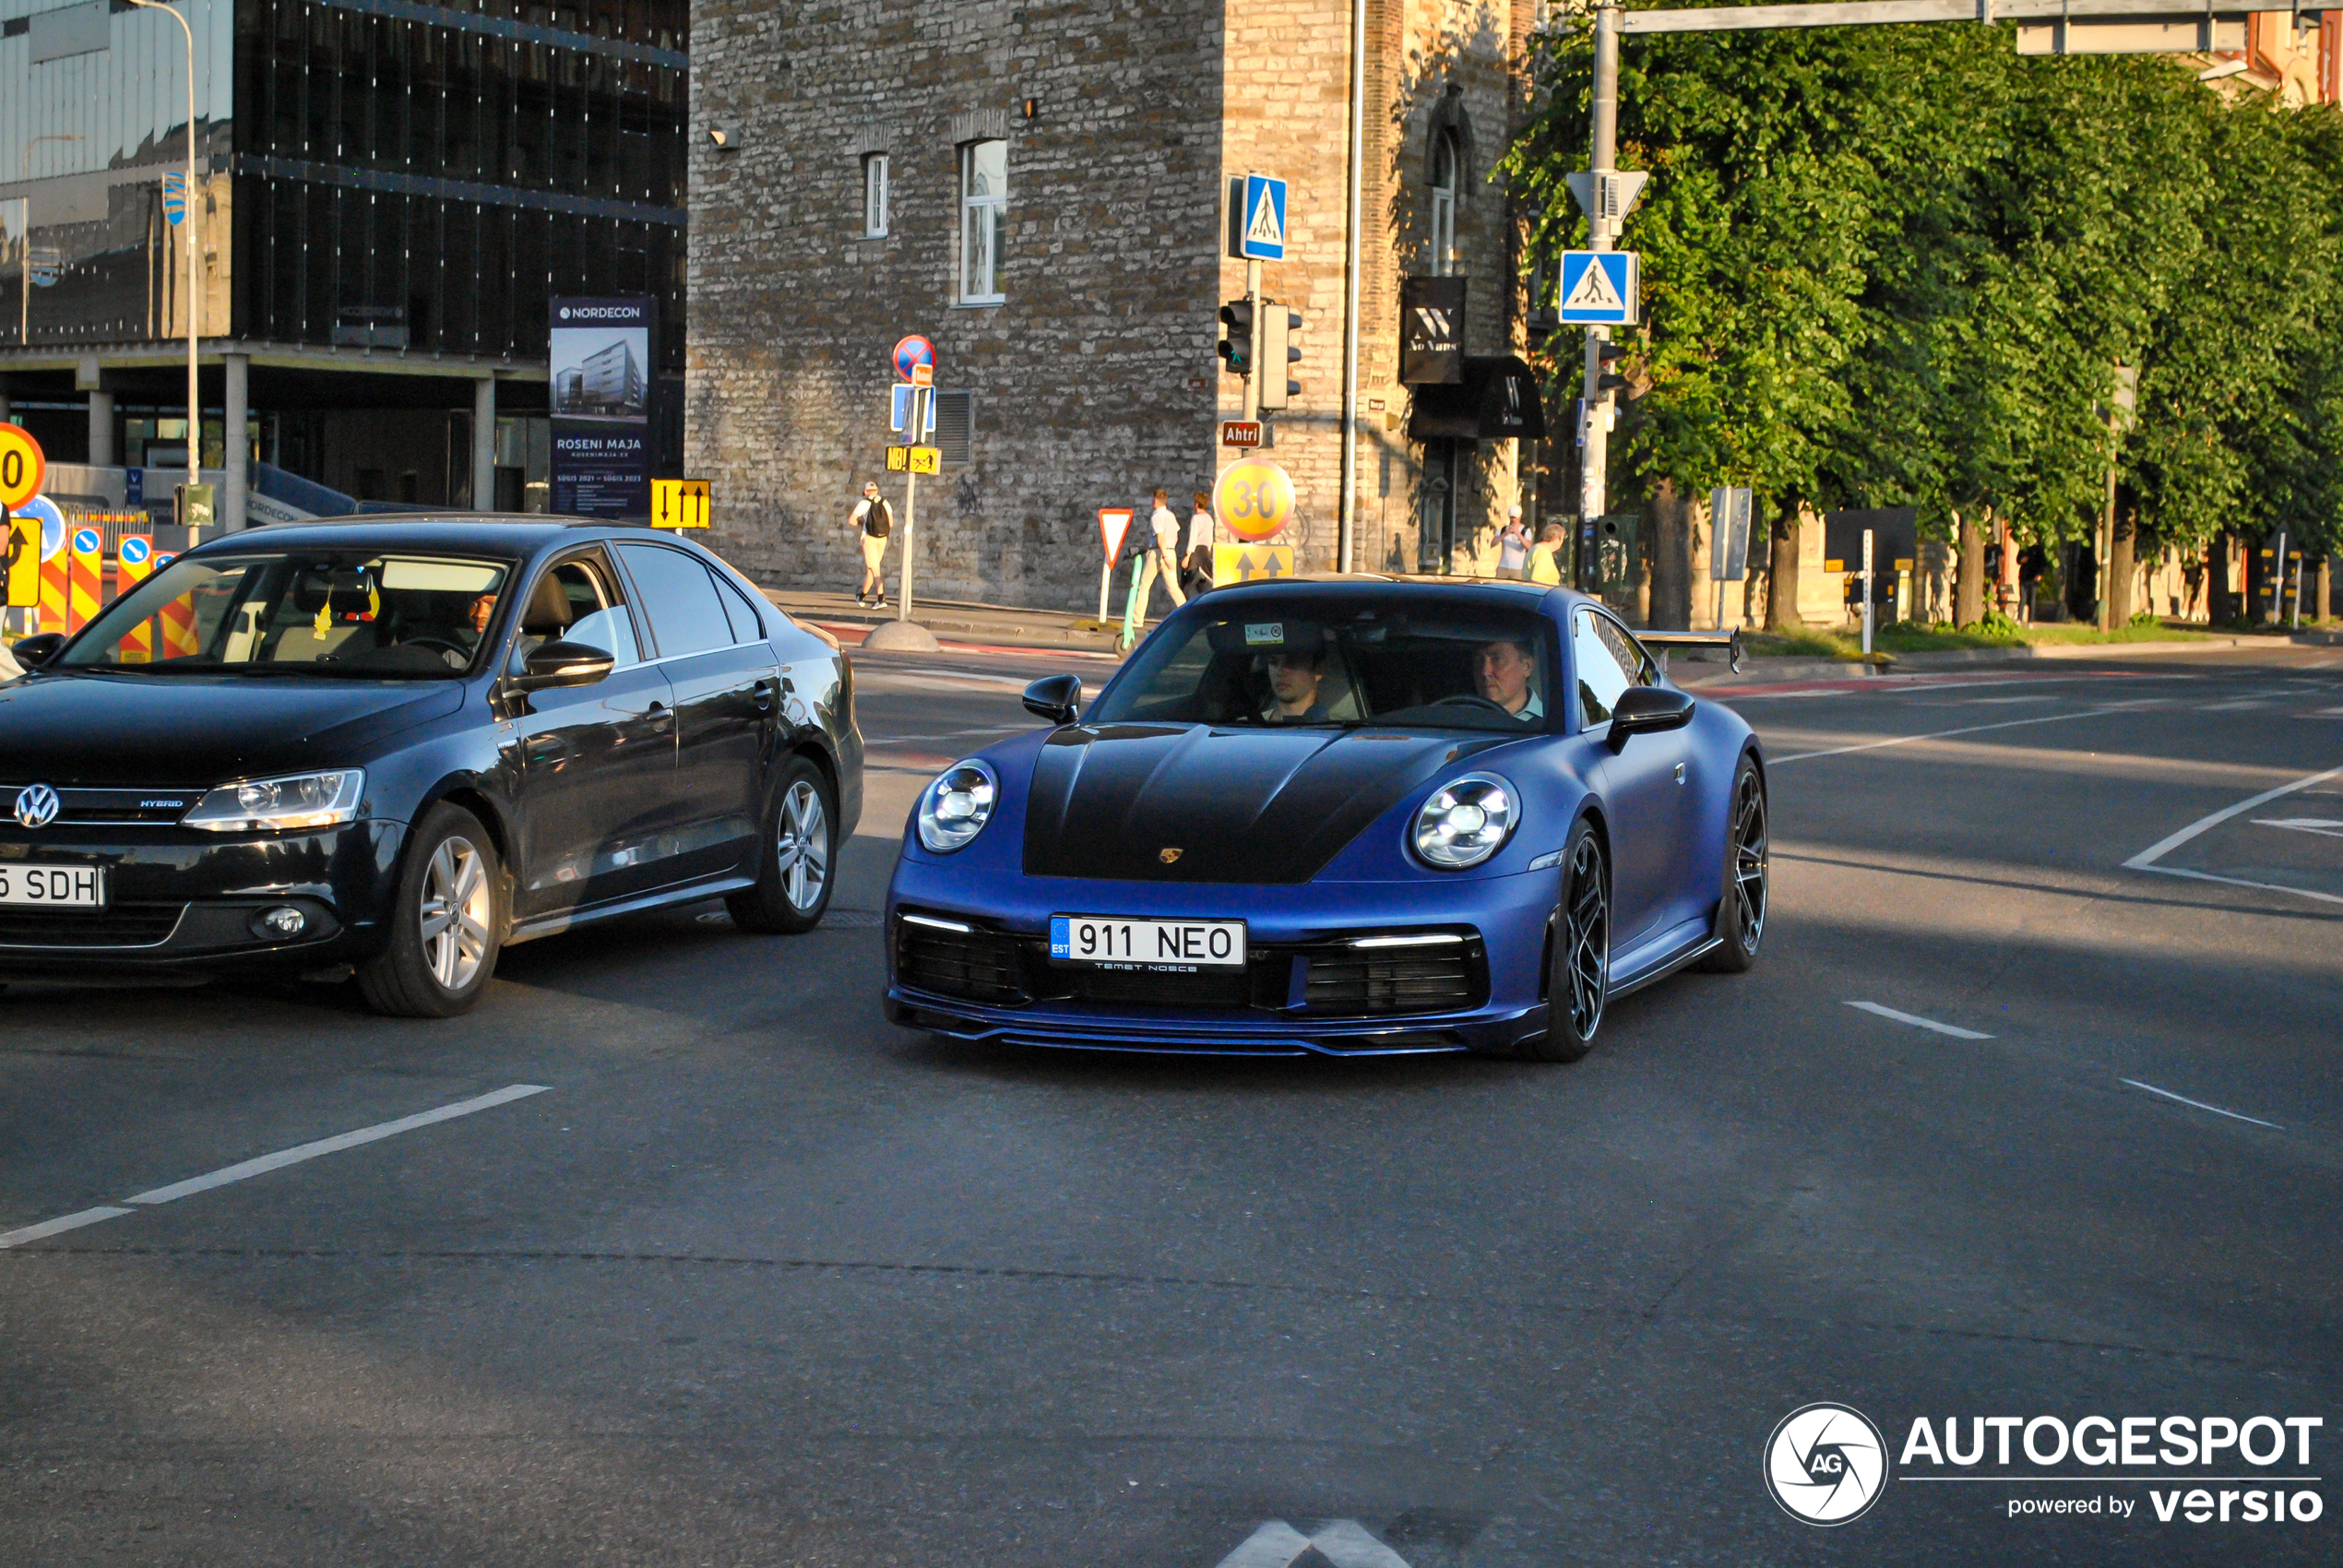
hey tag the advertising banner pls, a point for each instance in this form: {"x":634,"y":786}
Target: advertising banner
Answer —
{"x":600,"y":401}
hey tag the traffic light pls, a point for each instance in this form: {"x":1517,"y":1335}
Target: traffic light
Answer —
{"x":1236,"y":340}
{"x":1279,"y":351}
{"x":1607,"y":381}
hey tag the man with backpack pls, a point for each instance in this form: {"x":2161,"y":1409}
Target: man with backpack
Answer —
{"x":873,"y":519}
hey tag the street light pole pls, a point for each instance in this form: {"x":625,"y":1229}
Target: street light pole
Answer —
{"x":24,"y":243}
{"x":1595,"y":430}
{"x":195,"y":298}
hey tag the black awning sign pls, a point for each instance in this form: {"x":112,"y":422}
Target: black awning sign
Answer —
{"x":1494,"y":399}
{"x":1431,"y":331}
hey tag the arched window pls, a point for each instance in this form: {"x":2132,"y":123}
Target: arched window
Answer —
{"x":1445,"y":162}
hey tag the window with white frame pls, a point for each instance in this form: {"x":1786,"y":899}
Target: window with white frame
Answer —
{"x":984,"y":206}
{"x":1443,"y":205}
{"x":874,"y":194}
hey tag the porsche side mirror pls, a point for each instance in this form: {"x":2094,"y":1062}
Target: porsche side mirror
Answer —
{"x":1643,"y":709}
{"x":1055,"y":698}
{"x":35,"y":651}
{"x":565,"y":664}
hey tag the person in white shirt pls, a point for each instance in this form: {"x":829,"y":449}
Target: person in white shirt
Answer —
{"x":1158,"y":561}
{"x":873,"y":519}
{"x":1201,"y":538}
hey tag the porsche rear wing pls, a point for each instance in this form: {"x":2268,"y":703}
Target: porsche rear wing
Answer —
{"x":1661,"y":642}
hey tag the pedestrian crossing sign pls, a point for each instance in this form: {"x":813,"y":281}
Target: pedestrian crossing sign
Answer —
{"x":1262,"y":236}
{"x":1601,"y":288}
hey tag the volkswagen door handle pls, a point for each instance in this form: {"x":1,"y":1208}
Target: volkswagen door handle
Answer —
{"x":660,"y":715}
{"x":769,"y":694}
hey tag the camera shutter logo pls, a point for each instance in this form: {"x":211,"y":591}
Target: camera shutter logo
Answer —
{"x":36,"y":806}
{"x":1826,"y":1464}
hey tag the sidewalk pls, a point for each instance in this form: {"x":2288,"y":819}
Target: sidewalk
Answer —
{"x":953,"y":620}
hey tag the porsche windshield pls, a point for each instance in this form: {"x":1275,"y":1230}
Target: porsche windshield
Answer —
{"x":333,"y":613}
{"x":1294,"y":662}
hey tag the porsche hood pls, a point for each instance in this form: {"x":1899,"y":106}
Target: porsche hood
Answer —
{"x":1192,"y":802}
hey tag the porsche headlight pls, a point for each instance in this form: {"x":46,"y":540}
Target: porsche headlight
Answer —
{"x":958,"y":805}
{"x":272,"y":805}
{"x":1465,"y":822}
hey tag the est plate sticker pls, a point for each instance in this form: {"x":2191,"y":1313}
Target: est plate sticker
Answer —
{"x":1257,"y":633}
{"x":1147,"y":945}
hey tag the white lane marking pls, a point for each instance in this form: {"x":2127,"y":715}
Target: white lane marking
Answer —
{"x":951,"y":735}
{"x":2145,"y":860}
{"x":300,"y":1152}
{"x":62,"y":1223}
{"x":1919,"y":1023}
{"x":2232,"y":1115}
{"x":2238,"y":707}
{"x":1939,"y":735}
{"x":1343,"y":1542}
{"x":2325,"y":826}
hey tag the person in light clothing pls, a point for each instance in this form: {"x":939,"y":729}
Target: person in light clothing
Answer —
{"x":1545,"y":563}
{"x":1160,"y":561}
{"x":873,"y":519}
{"x":1202,"y":537}
{"x":1513,"y":547}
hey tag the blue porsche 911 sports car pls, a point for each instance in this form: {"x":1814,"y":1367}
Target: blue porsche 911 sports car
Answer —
{"x":1353,"y":817}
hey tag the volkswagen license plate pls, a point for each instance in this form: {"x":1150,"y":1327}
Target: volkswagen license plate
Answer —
{"x":1158,"y":945}
{"x":53,"y":887}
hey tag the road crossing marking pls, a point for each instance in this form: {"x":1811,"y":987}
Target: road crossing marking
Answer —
{"x":1938,"y":735}
{"x":1917,"y":1022}
{"x":2145,"y":860}
{"x":263,"y":1164}
{"x":1343,"y":1542}
{"x":2233,"y":1115}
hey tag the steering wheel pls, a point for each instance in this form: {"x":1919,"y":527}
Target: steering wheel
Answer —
{"x":456,"y":653}
{"x":1466,"y":699}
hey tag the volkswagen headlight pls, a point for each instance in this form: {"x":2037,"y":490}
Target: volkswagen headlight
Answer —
{"x":1465,"y":822}
{"x":958,"y":805}
{"x":272,"y":805}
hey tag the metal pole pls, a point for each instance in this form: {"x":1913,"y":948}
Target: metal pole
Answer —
{"x":2297,"y":592}
{"x":1594,"y":460}
{"x":195,"y":299}
{"x":1867,"y":591}
{"x":1347,"y":531}
{"x":919,"y":395}
{"x":1252,"y":350}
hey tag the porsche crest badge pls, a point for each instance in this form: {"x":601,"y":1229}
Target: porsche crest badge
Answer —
{"x":1167,"y":854}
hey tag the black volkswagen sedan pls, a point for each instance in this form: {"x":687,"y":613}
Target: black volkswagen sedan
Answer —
{"x":390,"y":749}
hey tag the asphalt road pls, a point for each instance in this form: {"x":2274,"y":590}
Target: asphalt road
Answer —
{"x":756,"y":1279}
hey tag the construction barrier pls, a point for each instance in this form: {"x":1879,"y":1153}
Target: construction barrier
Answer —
{"x":53,"y":595}
{"x":134,"y":559}
{"x":177,"y":619}
{"x":85,"y":578}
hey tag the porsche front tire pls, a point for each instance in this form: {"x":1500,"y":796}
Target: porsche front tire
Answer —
{"x":1579,"y":973}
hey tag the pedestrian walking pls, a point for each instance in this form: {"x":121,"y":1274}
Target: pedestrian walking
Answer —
{"x":1545,"y":562}
{"x":1513,"y":547}
{"x":873,"y":519}
{"x":1202,"y":537}
{"x":1160,"y":560}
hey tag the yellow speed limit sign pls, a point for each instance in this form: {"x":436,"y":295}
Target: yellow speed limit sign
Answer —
{"x":1253,"y":499}
{"x":22,"y":468}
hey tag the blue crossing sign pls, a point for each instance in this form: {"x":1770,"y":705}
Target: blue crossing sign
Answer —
{"x":1262,"y":234}
{"x":1601,"y":288}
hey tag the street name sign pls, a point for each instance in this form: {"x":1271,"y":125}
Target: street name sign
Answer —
{"x":1261,"y":226}
{"x":1241,"y":432}
{"x":1601,"y":288}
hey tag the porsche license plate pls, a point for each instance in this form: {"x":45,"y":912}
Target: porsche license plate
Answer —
{"x":52,"y":888}
{"x":1147,"y":945}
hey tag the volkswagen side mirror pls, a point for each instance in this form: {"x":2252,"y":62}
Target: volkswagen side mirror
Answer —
{"x":35,"y":651}
{"x":565,"y":664}
{"x":1642,"y":709}
{"x":1055,"y":698}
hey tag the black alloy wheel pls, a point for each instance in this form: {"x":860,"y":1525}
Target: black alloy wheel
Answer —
{"x":797,"y":868}
{"x":446,"y":923}
{"x":1580,"y":979}
{"x":1741,"y":913}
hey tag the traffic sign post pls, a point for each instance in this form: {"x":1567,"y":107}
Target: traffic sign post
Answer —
{"x":918,"y":460}
{"x":910,"y":353}
{"x":1729,"y":513}
{"x":23,"y":467}
{"x":1253,"y":499}
{"x":1114,"y":525}
{"x":1601,"y":288}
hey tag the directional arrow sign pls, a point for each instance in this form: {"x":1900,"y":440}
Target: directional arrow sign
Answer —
{"x":1601,"y":288}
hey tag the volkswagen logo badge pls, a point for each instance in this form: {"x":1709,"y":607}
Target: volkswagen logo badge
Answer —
{"x":36,"y":806}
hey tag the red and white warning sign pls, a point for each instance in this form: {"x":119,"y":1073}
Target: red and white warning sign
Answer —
{"x":1113,"y":523}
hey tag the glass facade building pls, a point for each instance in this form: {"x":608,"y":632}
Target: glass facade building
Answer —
{"x":389,"y":194}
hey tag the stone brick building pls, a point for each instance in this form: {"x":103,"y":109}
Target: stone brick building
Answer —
{"x":857,"y":195}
